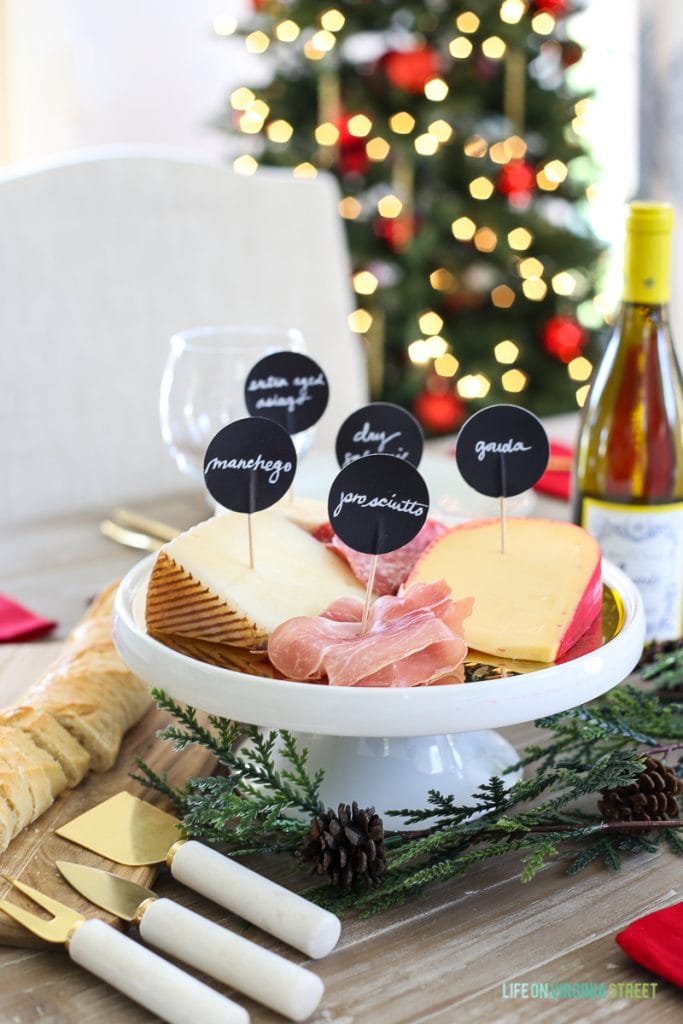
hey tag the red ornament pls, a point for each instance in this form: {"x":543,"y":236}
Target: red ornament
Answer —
{"x":558,"y":8}
{"x":516,"y":180}
{"x":438,"y":408}
{"x":397,"y":232}
{"x":571,"y":53}
{"x":353,"y":157}
{"x":563,"y":338}
{"x":410,"y":70}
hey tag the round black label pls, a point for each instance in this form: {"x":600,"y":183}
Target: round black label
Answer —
{"x":502,"y":450}
{"x":378,"y":504}
{"x":379,"y":428}
{"x":249,"y":464}
{"x":288,"y":388}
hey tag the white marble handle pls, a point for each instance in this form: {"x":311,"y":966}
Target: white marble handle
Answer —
{"x":269,"y":906}
{"x":257,"y":972}
{"x":159,"y":986}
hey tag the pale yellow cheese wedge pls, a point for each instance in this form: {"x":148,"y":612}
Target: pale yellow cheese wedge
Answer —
{"x":534,"y":600}
{"x":202,"y":585}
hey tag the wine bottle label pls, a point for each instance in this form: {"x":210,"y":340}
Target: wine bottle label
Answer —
{"x":646,"y":542}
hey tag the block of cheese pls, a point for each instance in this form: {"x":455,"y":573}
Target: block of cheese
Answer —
{"x":202,"y":586}
{"x":534,"y":600}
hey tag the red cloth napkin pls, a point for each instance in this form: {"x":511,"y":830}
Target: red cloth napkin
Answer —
{"x":557,"y":482}
{"x":18,"y":623}
{"x":656,"y":942}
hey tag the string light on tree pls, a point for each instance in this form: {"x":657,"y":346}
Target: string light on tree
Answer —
{"x":245,"y":164}
{"x":520,"y":239}
{"x":514,"y":381}
{"x":287,"y":31}
{"x":579,"y":369}
{"x":512,"y":11}
{"x":506,"y":352}
{"x":460,"y":48}
{"x":474,"y":385}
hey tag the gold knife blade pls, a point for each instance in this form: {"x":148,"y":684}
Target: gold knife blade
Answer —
{"x":125,"y":829}
{"x":105,"y":889}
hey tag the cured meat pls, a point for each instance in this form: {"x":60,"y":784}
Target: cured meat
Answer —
{"x":392,"y":568}
{"x":412,"y":639}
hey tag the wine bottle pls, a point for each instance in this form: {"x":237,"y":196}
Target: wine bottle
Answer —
{"x":628,"y":483}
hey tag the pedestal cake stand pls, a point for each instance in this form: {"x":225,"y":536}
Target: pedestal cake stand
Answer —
{"x":388,"y":747}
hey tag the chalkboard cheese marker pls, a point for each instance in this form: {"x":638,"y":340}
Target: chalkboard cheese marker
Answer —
{"x":375,"y":505}
{"x":248,"y":466}
{"x":379,"y":428}
{"x":502,"y":451}
{"x":288,"y":388}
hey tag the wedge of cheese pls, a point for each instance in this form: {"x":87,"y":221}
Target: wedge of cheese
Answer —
{"x":534,"y":600}
{"x":202,"y":585}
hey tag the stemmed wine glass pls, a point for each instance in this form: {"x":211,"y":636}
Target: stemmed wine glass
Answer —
{"x":202,"y":386}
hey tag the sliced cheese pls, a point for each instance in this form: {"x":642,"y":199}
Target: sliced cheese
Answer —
{"x":534,"y":600}
{"x":202,"y":586}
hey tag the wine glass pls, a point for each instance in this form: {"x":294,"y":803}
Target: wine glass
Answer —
{"x":202,"y":386}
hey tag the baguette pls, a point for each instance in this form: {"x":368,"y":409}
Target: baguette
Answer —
{"x":43,"y":774}
{"x":89,"y":690}
{"x":15,"y":791}
{"x":47,"y":733}
{"x":70,"y":721}
{"x":7,"y":824}
{"x":91,"y":726}
{"x":94,"y":675}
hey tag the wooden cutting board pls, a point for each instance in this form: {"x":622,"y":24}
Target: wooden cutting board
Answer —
{"x":31,"y":855}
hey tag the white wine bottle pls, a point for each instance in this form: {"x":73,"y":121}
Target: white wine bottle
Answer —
{"x":628,"y":484}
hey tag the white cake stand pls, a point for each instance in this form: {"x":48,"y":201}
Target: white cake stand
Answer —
{"x":387,"y":747}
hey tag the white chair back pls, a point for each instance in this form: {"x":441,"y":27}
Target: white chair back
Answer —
{"x":102,"y":258}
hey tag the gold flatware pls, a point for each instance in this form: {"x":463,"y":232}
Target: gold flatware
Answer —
{"x":130,"y":831}
{"x":139,"y":973}
{"x":231,"y":959}
{"x":144,"y":524}
{"x":129,"y":538}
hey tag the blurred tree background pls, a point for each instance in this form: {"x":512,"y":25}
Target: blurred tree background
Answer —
{"x":457,"y":141}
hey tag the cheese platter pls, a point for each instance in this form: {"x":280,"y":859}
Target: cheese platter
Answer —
{"x":395,"y":743}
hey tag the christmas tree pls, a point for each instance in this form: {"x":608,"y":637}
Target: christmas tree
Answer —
{"x":458,"y":145}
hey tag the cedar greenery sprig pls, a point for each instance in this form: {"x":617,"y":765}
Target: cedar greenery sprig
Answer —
{"x":247,"y":804}
{"x":260,"y":802}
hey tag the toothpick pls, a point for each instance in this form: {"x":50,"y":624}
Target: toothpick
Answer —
{"x":503,"y":489}
{"x":251,"y":541}
{"x":502,"y":524}
{"x":368,"y":596}
{"x":252,"y":508}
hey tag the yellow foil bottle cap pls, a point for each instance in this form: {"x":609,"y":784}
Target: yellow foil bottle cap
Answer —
{"x":647,"y":257}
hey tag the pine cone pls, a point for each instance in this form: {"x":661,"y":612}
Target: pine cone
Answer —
{"x":652,"y":797}
{"x":347,"y":847}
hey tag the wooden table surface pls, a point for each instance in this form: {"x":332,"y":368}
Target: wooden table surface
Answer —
{"x":463,"y":952}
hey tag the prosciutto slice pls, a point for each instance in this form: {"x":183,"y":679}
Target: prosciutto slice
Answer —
{"x":412,"y":639}
{"x":394,"y":567}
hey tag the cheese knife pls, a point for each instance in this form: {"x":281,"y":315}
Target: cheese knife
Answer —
{"x":161,"y":987}
{"x":229,"y":958}
{"x":130,"y":831}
